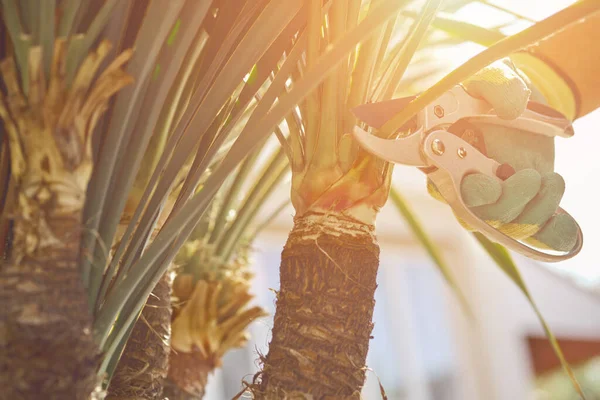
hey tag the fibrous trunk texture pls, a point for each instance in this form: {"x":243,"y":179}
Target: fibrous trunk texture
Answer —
{"x":325,"y":304}
{"x":144,"y":363}
{"x":188,"y":371}
{"x":46,"y":345}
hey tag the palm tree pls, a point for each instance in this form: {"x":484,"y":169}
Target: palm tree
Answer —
{"x":212,"y":285}
{"x":102,"y":193}
{"x":70,"y":301}
{"x":328,"y":267}
{"x":54,"y":99}
{"x":329,"y":264}
{"x":233,"y":56}
{"x":206,"y":269}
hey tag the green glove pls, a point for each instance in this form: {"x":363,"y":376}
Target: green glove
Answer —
{"x":524,"y":205}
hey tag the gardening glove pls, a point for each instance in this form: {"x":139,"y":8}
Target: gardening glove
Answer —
{"x":524,"y":205}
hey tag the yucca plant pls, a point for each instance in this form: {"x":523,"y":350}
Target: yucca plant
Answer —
{"x":105,"y":210}
{"x":175,"y":230}
{"x":55,"y":95}
{"x":209,"y":281}
{"x":47,"y":324}
{"x":213,"y":276}
{"x":329,"y":263}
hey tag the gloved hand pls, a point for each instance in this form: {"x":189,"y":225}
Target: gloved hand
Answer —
{"x":524,"y":205}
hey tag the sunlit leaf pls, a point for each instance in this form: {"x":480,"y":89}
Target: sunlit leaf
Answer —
{"x":501,"y":49}
{"x":404,"y":209}
{"x":463,"y":30}
{"x":416,"y":35}
{"x":503,"y":259}
{"x":152,"y":264}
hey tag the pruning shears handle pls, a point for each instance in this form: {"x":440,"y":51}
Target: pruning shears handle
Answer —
{"x":460,"y":159}
{"x":430,"y":144}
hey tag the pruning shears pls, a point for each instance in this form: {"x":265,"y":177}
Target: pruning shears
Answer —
{"x":447,"y":155}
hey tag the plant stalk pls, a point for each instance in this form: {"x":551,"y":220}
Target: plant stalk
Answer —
{"x":325,"y":304}
{"x":143,"y":366}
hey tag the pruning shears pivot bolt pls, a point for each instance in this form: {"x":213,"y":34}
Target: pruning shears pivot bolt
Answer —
{"x":438,"y":147}
{"x":462,"y":153}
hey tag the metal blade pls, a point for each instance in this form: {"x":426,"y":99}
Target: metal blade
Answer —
{"x":404,"y":151}
{"x":377,"y":114}
{"x":552,"y":114}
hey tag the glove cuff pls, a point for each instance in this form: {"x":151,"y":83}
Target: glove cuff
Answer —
{"x":556,"y":91}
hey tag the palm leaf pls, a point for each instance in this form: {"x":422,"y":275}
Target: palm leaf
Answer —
{"x":154,"y":31}
{"x":463,"y":30}
{"x":410,"y":45}
{"x":195,"y":121}
{"x":501,"y":49}
{"x":503,"y":259}
{"x":250,"y":48}
{"x":152,"y":264}
{"x":404,"y":209}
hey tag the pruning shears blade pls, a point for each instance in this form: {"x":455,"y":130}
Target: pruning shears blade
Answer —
{"x":552,"y":116}
{"x":377,"y":114}
{"x":400,"y":151}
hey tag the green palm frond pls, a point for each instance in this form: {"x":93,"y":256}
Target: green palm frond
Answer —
{"x":404,"y":209}
{"x":505,"y":262}
{"x":497,"y":51}
{"x":213,"y":113}
{"x":209,"y":122}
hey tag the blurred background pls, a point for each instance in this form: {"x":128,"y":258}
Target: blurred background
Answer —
{"x":425,"y":346}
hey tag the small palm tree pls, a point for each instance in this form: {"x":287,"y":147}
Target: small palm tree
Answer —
{"x":329,"y":264}
{"x":212,"y":285}
{"x":55,"y":97}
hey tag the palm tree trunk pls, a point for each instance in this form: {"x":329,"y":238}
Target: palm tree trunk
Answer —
{"x":188,"y":376}
{"x":144,"y":363}
{"x":143,"y":366}
{"x":322,"y":322}
{"x":46,"y":345}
